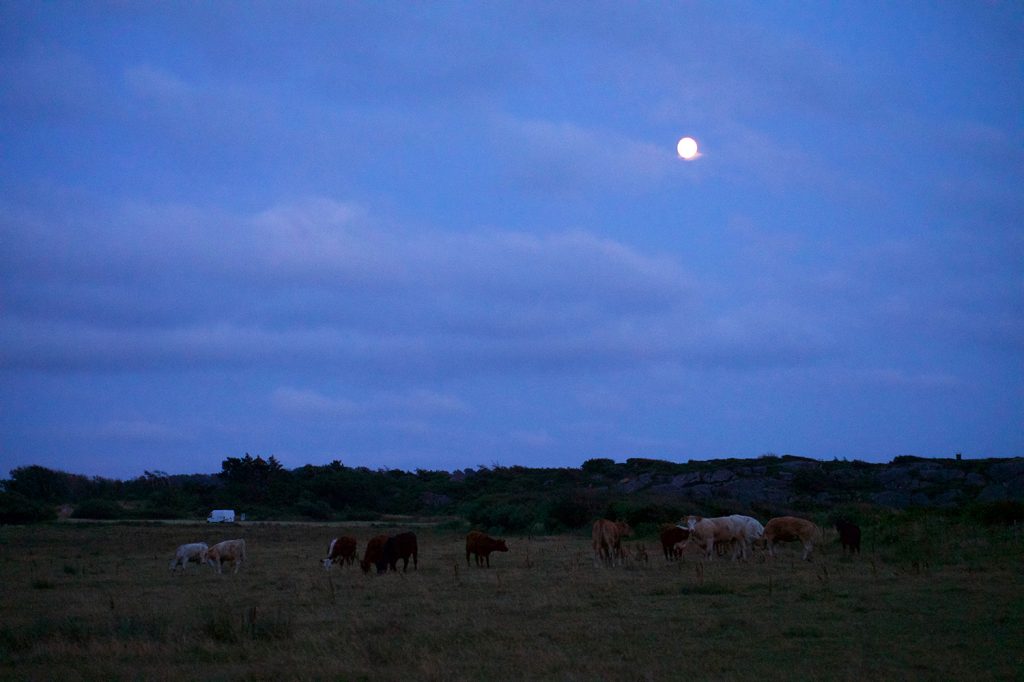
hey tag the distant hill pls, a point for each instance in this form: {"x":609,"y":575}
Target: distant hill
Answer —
{"x":522,"y":499}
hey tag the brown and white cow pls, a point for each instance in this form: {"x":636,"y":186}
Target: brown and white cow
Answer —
{"x":716,"y":532}
{"x":229,"y":550}
{"x":191,"y":552}
{"x":791,"y":529}
{"x":374,"y":553}
{"x":606,"y":538}
{"x":481,"y":545}
{"x":342,"y":551}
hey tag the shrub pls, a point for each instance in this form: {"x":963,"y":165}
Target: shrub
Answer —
{"x":567,"y":513}
{"x":16,"y":508}
{"x":1002,"y":513}
{"x":99,"y":509}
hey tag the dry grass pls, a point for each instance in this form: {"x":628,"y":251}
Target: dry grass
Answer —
{"x":97,"y":602}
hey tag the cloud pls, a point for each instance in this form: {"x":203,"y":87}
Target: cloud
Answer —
{"x":563,"y":158}
{"x":323,"y":281}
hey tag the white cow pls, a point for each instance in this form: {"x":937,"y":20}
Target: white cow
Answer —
{"x":751,"y":531}
{"x":229,"y":550}
{"x":193,"y":551}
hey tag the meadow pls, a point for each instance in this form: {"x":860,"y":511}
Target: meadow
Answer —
{"x":96,"y":601}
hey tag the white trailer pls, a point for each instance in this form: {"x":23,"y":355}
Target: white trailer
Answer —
{"x":221,"y":516}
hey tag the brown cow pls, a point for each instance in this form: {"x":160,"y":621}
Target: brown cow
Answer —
{"x":342,"y":551}
{"x":849,"y":535}
{"x":481,"y":545}
{"x":400,"y":546}
{"x":791,"y":529}
{"x":606,"y":537}
{"x":671,"y":535}
{"x":374,"y":552}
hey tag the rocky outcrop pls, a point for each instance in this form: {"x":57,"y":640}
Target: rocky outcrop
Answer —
{"x":798,"y":482}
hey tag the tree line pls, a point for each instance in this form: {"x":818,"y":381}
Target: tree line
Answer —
{"x":499,"y":498}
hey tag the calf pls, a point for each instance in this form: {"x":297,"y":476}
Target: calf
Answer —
{"x":193,"y":551}
{"x":791,"y":529}
{"x":481,"y":545}
{"x":342,"y":551}
{"x":229,"y":550}
{"x":849,"y":535}
{"x":400,"y":546}
{"x":374,"y":552}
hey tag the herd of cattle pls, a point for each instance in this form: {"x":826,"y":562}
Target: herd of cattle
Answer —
{"x":736,"y":535}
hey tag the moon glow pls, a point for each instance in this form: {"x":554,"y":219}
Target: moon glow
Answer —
{"x":687,"y":148}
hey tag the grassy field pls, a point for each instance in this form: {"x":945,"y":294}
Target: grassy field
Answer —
{"x":90,"y":601}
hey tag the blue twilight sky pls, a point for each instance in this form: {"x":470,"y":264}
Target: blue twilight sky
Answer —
{"x":442,"y":234}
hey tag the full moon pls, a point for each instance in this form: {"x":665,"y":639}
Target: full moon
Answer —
{"x":687,"y":148}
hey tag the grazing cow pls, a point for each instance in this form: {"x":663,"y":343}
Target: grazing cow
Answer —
{"x":719,"y":531}
{"x":849,"y":535}
{"x":193,"y":551}
{"x":229,"y":550}
{"x":396,"y":547}
{"x":342,"y":551}
{"x":374,"y":552}
{"x":791,"y":529}
{"x":751,"y":531}
{"x":481,"y":545}
{"x":670,"y":537}
{"x":606,"y":537}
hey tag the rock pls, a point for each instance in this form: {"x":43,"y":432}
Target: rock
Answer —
{"x":1003,"y":471}
{"x":975,"y":479}
{"x":683,"y":480}
{"x":993,"y":492}
{"x":720,"y":476}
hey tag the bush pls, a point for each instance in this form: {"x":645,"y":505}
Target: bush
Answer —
{"x":314,"y":509}
{"x":99,"y":509}
{"x":16,"y":508}
{"x":1002,"y":513}
{"x":567,"y":513}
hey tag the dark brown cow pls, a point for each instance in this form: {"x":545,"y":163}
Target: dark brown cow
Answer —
{"x":374,"y":552}
{"x":849,"y":535}
{"x":606,"y":537}
{"x":342,"y":551}
{"x":400,"y":546}
{"x":481,"y":545}
{"x":671,"y":535}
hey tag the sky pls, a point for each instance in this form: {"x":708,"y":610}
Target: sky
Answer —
{"x":443,"y":235}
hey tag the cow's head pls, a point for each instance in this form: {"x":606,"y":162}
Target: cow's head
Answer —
{"x":690,"y":522}
{"x":624,"y":528}
{"x":500,"y":546}
{"x":365,"y":565}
